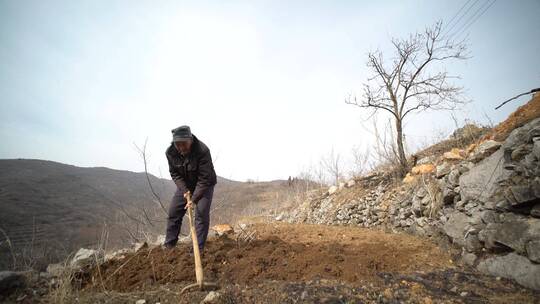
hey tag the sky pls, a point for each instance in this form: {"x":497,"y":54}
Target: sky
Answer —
{"x":262,"y":83}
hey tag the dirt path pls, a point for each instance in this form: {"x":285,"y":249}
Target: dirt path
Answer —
{"x":296,"y":262}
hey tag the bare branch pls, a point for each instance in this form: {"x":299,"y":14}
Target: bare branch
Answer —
{"x":414,"y":80}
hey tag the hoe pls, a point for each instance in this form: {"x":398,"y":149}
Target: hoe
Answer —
{"x":196,"y":253}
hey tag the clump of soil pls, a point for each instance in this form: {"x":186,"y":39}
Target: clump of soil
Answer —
{"x":280,"y":252}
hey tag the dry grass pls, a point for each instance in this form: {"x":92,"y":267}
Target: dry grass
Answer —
{"x":518,"y":118}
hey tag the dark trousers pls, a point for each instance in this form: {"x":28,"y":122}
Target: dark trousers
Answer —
{"x":177,"y":212}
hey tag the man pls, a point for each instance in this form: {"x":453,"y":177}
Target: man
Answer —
{"x":191,"y":168}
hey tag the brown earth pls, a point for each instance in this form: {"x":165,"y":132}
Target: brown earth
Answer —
{"x":281,"y":252}
{"x":518,"y":118}
{"x":285,"y":260}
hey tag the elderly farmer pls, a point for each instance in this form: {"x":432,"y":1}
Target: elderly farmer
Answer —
{"x":191,"y":168}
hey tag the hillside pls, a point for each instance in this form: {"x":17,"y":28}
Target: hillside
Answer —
{"x":52,"y":208}
{"x":463,"y":226}
{"x":476,"y":194}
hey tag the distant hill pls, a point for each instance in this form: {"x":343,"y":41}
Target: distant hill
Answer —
{"x":58,"y":208}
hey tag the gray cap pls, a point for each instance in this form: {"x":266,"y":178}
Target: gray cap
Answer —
{"x":181,"y":133}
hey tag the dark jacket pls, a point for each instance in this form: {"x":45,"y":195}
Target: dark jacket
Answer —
{"x":193,"y":172}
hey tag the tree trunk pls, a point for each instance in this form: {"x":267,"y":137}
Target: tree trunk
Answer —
{"x":401,"y":151}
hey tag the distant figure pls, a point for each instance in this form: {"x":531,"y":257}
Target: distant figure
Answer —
{"x":191,"y":168}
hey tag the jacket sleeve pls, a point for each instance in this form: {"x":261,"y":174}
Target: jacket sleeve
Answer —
{"x":177,"y":179}
{"x":204,"y":180}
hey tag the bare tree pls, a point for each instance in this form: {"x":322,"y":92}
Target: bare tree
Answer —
{"x":332,"y":164}
{"x":413,"y":80}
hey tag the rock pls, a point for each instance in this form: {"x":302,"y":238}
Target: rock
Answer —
{"x":11,"y":280}
{"x":160,"y":239}
{"x":521,"y":135}
{"x":535,"y":210}
{"x":467,"y":131}
{"x":417,"y":207}
{"x":140,"y":245}
{"x":533,"y":250}
{"x":341,"y":185}
{"x":141,"y":301}
{"x":519,"y":153}
{"x":482,"y":181}
{"x":118,"y":254}
{"x":45,"y":275}
{"x":453,"y":177}
{"x":421,"y":192}
{"x":456,"y":227}
{"x":487,"y":234}
{"x":427,"y":160}
{"x":520,"y":195}
{"x":55,"y":270}
{"x":448,"y":195}
{"x":513,"y":266}
{"x":468,"y":258}
{"x":85,"y":257}
{"x":485,"y":149}
{"x":280,"y":217}
{"x":423,"y":169}
{"x":536,"y":147}
{"x":443,"y":169}
{"x":472,"y":243}
{"x":228,"y":229}
{"x":350,"y":183}
{"x":470,"y":148}
{"x":515,"y":232}
{"x":489,"y":216}
{"x":409,"y":178}
{"x":212,"y":297}
{"x":332,"y":190}
{"x":454,"y":154}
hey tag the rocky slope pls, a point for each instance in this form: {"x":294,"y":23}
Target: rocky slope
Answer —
{"x":484,"y":199}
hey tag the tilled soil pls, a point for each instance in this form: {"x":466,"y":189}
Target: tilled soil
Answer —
{"x":296,"y":262}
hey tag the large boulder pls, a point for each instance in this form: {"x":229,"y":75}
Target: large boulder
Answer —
{"x":522,"y":135}
{"x":514,"y":232}
{"x":522,"y":195}
{"x":484,"y":149}
{"x":513,"y":266}
{"x":85,"y":257}
{"x":443,"y":169}
{"x":457,"y":226}
{"x":482,"y":181}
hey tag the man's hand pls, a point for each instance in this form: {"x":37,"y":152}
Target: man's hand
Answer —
{"x":187,"y":197}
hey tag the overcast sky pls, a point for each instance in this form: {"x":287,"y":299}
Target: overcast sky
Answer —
{"x":261,"y":82}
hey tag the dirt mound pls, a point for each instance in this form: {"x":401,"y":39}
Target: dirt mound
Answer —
{"x":280,"y":252}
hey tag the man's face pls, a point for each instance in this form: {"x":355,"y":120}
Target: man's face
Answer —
{"x":183,"y":146}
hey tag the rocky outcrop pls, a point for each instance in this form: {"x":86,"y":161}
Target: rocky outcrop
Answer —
{"x":513,"y":266}
{"x":484,"y":199}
